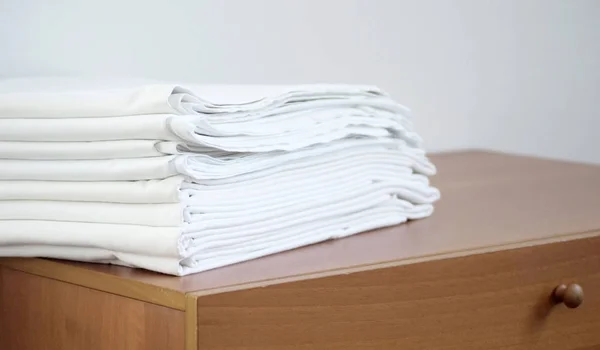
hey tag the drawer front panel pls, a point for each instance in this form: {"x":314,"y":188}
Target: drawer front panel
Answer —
{"x":41,"y":313}
{"x":499,"y":300}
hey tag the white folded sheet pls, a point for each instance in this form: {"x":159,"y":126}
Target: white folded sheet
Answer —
{"x":140,"y":192}
{"x":203,"y":235}
{"x":168,"y":251}
{"x":175,"y":189}
{"x":226,"y":132}
{"x":88,"y":170}
{"x":79,"y":97}
{"x":220,"y":168}
{"x":229,"y":206}
{"x":85,"y":97}
{"x":156,"y":215}
{"x":292,"y":118}
{"x":120,"y":149}
{"x":138,"y":127}
{"x":85,"y":150}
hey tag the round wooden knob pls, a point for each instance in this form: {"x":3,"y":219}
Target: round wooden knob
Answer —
{"x":571,"y":295}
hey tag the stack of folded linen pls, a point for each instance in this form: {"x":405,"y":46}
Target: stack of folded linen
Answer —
{"x":179,"y":180}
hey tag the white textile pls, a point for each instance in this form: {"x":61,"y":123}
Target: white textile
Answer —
{"x":169,"y":251}
{"x":204,"y":167}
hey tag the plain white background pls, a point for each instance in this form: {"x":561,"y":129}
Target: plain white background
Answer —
{"x":512,"y":75}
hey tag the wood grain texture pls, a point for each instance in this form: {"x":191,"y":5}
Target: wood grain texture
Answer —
{"x":77,"y":273}
{"x":41,"y":313}
{"x":499,"y":300}
{"x":191,"y":322}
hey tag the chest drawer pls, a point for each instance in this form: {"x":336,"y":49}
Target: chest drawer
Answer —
{"x":499,"y":300}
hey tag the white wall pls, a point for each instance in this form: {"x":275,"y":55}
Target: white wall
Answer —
{"x":513,"y":75}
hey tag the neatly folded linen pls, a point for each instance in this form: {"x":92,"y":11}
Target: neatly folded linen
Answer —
{"x":157,"y":215}
{"x":119,"y":149}
{"x":183,"y":241}
{"x":229,"y":207}
{"x":78,"y":98}
{"x":178,"y":188}
{"x":138,"y":127}
{"x":298,"y":130}
{"x":205,"y":167}
{"x":182,"y":180}
{"x":163,"y":167}
{"x":161,"y":241}
{"x":88,"y":170}
{"x":140,"y":192}
{"x":81,"y":150}
{"x":66,"y":241}
{"x":293,"y":118}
